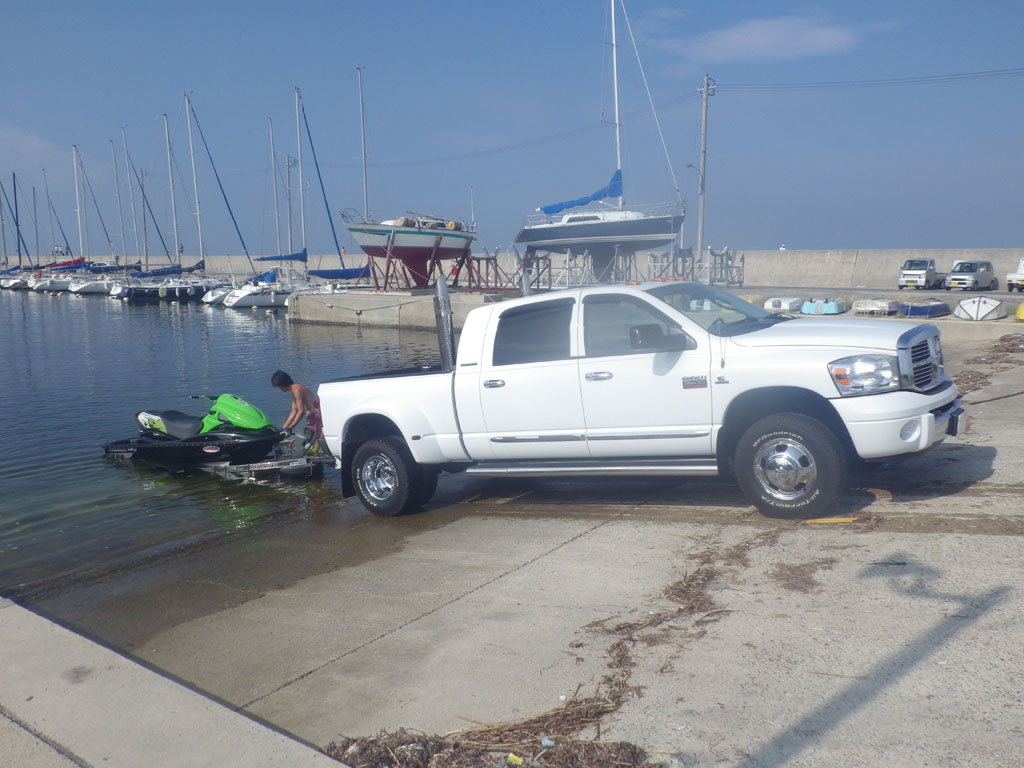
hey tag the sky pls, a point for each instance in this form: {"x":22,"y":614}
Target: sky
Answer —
{"x":831,"y":126}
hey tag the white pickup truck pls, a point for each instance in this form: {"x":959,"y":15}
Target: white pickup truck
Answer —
{"x":1016,"y":279}
{"x":920,"y":273}
{"x":664,"y":378}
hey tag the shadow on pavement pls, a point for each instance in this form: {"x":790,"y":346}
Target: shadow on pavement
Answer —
{"x":907,"y":579}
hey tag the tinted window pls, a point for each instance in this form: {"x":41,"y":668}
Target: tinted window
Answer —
{"x":607,"y":320}
{"x":534,"y":333}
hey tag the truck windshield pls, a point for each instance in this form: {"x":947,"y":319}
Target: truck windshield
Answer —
{"x":718,"y":312}
{"x":966,"y":266}
{"x":916,"y":264}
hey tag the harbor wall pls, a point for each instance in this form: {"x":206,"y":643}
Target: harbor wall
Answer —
{"x":860,"y":268}
{"x":380,"y":310}
{"x":845,"y":268}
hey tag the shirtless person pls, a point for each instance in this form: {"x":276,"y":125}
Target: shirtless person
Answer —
{"x":304,"y":403}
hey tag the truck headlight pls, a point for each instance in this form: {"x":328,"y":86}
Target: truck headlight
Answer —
{"x":865,"y":374}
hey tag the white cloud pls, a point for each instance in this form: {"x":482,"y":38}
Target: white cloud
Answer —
{"x":779,"y":39}
{"x":767,"y":39}
{"x":27,"y":154}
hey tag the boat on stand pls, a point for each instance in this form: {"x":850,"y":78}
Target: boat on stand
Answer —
{"x":607,"y":234}
{"x":418,"y":242}
{"x":412,"y":246}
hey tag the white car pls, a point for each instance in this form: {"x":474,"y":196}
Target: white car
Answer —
{"x":972,"y":276}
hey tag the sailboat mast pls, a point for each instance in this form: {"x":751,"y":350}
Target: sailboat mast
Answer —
{"x":362,"y":131}
{"x":120,"y":211}
{"x":615,"y":90}
{"x":131,"y":195}
{"x":17,"y":223}
{"x":49,"y":211}
{"x":195,"y":182}
{"x":170,"y":175}
{"x":273,"y":169}
{"x":78,"y":203}
{"x":302,"y":191}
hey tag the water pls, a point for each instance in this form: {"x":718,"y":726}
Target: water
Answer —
{"x":73,"y":372}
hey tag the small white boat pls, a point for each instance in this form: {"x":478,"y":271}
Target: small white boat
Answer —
{"x":259,"y":295}
{"x":875,"y":307}
{"x":18,"y":283}
{"x":267,"y":294}
{"x":783,"y":304}
{"x":980,"y":308}
{"x":91,"y":285}
{"x":217,"y":295}
{"x":50,"y":283}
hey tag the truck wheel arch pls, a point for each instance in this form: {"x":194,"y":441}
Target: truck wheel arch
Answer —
{"x":368,"y":426}
{"x":755,"y":404}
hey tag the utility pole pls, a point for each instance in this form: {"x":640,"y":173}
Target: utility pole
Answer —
{"x":707,"y":90}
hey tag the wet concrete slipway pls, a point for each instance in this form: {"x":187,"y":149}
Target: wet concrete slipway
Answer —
{"x":895,"y":639}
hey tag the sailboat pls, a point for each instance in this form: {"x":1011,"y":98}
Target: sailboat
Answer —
{"x":591,"y":225}
{"x":417,"y":241}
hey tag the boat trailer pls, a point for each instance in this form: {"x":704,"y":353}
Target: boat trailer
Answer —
{"x":301,"y":468}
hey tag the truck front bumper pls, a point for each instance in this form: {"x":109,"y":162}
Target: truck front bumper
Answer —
{"x":915,"y":423}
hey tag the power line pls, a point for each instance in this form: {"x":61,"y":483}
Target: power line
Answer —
{"x":535,"y":141}
{"x":876,"y":83}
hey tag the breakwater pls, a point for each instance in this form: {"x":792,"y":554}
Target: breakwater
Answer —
{"x":842,"y":268}
{"x":860,"y":268}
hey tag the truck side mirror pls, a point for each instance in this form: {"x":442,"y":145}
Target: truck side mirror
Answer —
{"x":651,"y":338}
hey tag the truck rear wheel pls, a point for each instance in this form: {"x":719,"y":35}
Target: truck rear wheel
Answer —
{"x":789,"y":463}
{"x":384,"y":475}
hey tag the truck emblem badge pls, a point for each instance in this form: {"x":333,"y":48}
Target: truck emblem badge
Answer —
{"x":695,"y":382}
{"x":721,"y":380}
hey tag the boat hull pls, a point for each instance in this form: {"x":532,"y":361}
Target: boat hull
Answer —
{"x":248,"y":298}
{"x":201,"y":449}
{"x":413,"y":246}
{"x":980,"y":308}
{"x":925,"y":308}
{"x":601,"y":238}
{"x":829,"y":306}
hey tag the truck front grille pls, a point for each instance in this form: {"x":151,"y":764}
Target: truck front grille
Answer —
{"x":924,"y":365}
{"x":920,"y":355}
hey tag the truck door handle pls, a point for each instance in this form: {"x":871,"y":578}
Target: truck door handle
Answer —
{"x":494,"y":383}
{"x":598,"y":376}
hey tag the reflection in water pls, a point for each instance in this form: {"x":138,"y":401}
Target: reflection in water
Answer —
{"x":73,"y":373}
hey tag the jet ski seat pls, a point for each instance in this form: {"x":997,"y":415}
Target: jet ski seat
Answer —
{"x":181,"y":425}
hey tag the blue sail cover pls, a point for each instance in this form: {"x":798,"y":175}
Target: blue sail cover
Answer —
{"x":612,"y":189}
{"x":348,"y":273}
{"x":161,"y":272}
{"x":300,"y":256}
{"x":103,"y":268}
{"x":266,"y":277}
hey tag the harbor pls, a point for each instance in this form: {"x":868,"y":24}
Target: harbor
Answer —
{"x":478,"y":386}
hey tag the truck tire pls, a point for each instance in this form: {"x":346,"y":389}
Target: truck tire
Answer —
{"x":790,"y":464}
{"x":384,"y":475}
{"x":425,"y":486}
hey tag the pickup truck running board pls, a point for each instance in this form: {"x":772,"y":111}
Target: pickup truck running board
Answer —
{"x":705,"y":467}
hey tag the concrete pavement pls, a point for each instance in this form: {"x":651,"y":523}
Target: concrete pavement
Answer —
{"x":67,"y":701}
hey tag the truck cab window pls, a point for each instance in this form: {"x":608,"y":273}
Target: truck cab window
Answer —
{"x":534,"y":333}
{"x":607,"y":320}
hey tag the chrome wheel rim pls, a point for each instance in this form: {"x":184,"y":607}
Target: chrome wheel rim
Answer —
{"x":378,"y":478}
{"x":785,"y":469}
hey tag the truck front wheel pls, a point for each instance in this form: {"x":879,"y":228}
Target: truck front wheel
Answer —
{"x":789,"y":463}
{"x":383,"y":473}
